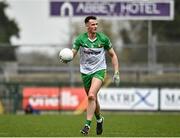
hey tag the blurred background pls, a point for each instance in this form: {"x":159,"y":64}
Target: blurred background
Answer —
{"x":30,"y":41}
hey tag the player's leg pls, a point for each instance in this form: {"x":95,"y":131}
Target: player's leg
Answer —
{"x":97,"y":112}
{"x":92,"y":96}
{"x":93,"y":103}
{"x":99,"y":118}
{"x":100,"y":75}
{"x":87,"y":83}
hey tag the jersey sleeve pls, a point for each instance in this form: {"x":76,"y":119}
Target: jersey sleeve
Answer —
{"x":76,"y":43}
{"x":107,"y":43}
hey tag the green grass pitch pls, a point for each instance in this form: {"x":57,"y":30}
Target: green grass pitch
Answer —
{"x":66,"y":125}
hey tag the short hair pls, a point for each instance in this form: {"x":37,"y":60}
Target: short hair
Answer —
{"x":86,"y":20}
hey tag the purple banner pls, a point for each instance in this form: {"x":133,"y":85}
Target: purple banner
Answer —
{"x":127,"y":9}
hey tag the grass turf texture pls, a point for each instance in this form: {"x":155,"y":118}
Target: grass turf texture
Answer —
{"x":116,"y":125}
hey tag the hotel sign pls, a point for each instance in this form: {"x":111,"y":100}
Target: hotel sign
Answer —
{"x":118,"y":9}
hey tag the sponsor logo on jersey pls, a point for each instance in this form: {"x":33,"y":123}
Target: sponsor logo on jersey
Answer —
{"x":91,"y":52}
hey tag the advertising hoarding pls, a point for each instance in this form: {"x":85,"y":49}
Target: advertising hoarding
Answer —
{"x":170,"y":99}
{"x":75,"y":99}
{"x":118,"y":9}
{"x":54,"y":98}
{"x":129,"y":99}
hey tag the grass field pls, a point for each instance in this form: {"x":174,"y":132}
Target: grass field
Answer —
{"x":116,"y":125}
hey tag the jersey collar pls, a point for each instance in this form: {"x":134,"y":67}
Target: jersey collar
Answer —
{"x":92,"y":40}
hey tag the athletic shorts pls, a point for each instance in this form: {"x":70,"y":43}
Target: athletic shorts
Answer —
{"x":88,"y":77}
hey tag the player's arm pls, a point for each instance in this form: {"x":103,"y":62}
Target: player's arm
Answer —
{"x":76,"y":46}
{"x":115,"y":64}
{"x":114,"y":59}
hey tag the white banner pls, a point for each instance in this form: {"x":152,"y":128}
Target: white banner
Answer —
{"x":170,"y":99}
{"x":129,"y":99}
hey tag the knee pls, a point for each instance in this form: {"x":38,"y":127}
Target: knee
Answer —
{"x":91,"y":97}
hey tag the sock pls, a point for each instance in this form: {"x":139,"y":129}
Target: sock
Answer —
{"x":88,"y":123}
{"x":98,"y":116}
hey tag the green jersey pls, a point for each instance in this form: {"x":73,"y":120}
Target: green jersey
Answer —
{"x":92,"y":52}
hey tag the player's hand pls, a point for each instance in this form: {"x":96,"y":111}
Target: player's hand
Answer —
{"x":116,"y":78}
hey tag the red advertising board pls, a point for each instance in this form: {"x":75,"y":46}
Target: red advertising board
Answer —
{"x":43,"y":98}
{"x":54,"y":98}
{"x":73,"y":99}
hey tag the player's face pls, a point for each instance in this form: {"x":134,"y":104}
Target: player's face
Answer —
{"x":92,"y":26}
